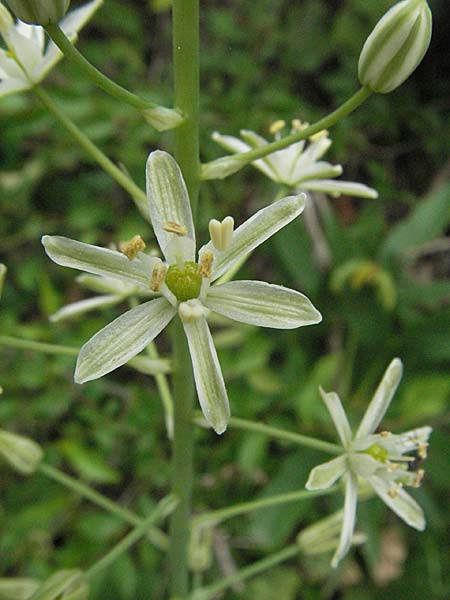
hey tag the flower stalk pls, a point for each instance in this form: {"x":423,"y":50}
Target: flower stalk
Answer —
{"x":185,"y":43}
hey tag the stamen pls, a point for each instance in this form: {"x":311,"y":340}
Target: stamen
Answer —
{"x":422,"y":451}
{"x":393,"y":492}
{"x":418,"y":478}
{"x":191,"y":311}
{"x":277,"y":126}
{"x":158,"y":274}
{"x":173,"y":227}
{"x":221,"y":233}
{"x":385,"y":434}
{"x":318,"y":136}
{"x":205,"y":265}
{"x":132,"y":247}
{"x":298,"y":125}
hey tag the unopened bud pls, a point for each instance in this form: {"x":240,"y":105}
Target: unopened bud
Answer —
{"x":3,"y":271}
{"x":222,"y":167}
{"x":162,"y":118}
{"x":6,"y":20}
{"x":21,"y":453}
{"x":39,"y":12}
{"x":64,"y":585}
{"x":396,"y":46}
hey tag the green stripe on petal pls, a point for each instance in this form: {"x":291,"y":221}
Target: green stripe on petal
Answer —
{"x":208,"y":377}
{"x":126,"y":336}
{"x":262,"y":304}
{"x":256,"y":230}
{"x":99,"y":261}
{"x":381,"y":400}
{"x":324,"y":475}
{"x":168,"y":199}
{"x":400,"y":502}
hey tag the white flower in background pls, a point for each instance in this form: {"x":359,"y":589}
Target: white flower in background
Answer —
{"x":27,"y":58}
{"x":184,"y":284}
{"x":381,"y":459}
{"x":297,"y":166}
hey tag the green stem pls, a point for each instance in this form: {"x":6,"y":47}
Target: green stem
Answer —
{"x":243,"y":158}
{"x":124,"y":180}
{"x":164,"y":508}
{"x":217,"y":516}
{"x":139,"y":363}
{"x":281,"y":434}
{"x":185,"y":41}
{"x":258,"y":567}
{"x":157,"y":537}
{"x":110,"y":87}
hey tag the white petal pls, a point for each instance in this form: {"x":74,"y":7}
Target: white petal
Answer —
{"x":403,"y":442}
{"x":266,"y":165}
{"x":256,"y":230}
{"x":9,"y":68}
{"x":27,"y":50}
{"x":323,"y":476}
{"x":12,"y":86}
{"x":318,"y":170}
{"x":262,"y":304}
{"x":83,"y":306}
{"x":402,"y":503}
{"x":365,"y":465}
{"x":348,"y":525}
{"x":231,"y":143}
{"x":99,"y":261}
{"x":35,"y":33}
{"x":168,"y":198}
{"x":337,"y":413}
{"x":336,"y":188}
{"x":126,"y":336}
{"x":381,"y":400}
{"x":77,"y":19}
{"x":208,"y":377}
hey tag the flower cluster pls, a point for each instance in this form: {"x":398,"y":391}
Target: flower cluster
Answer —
{"x":298,"y":166}
{"x":183,"y":284}
{"x":386,"y":461}
{"x":27,"y":59}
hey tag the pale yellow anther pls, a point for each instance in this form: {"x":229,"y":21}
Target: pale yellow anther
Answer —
{"x":318,"y":136}
{"x":132,"y":247}
{"x":422,"y":451}
{"x":277,"y":126}
{"x":176,"y":228}
{"x":385,"y":434}
{"x":206,"y":262}
{"x":221,"y":232}
{"x":418,"y":478}
{"x":158,"y":274}
{"x":393,"y":492}
{"x":191,"y":311}
{"x":298,"y":125}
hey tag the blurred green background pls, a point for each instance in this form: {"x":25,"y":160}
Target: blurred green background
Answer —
{"x":385,"y":293}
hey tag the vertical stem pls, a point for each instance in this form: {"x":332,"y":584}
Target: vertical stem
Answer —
{"x":185,"y":14}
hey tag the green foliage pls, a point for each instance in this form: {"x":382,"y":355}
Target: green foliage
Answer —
{"x":385,"y":293}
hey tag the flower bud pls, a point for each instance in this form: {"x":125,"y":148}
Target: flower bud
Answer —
{"x":39,"y":12}
{"x":6,"y":20}
{"x":396,"y":46}
{"x":21,"y":453}
{"x":3,"y":269}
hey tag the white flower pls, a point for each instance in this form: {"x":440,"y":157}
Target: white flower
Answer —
{"x":27,"y":59}
{"x":184,"y":285}
{"x":380,"y":459}
{"x":297,"y":166}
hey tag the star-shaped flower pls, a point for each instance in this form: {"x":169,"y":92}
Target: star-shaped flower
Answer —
{"x":183,"y":283}
{"x":27,"y":59}
{"x":386,"y":461}
{"x":297,"y":166}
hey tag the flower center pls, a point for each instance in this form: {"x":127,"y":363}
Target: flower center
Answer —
{"x":377,"y":452}
{"x":184,"y":282}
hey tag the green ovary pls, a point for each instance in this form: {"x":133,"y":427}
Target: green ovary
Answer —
{"x":184,"y":283}
{"x":377,"y":452}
